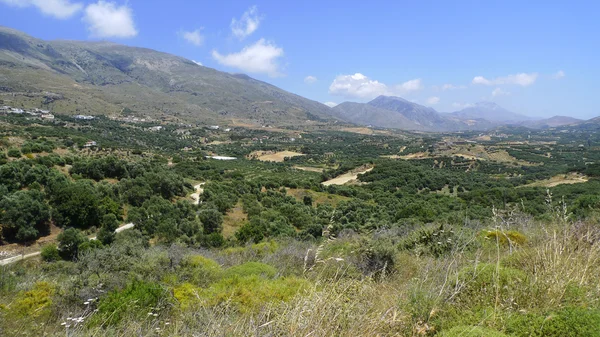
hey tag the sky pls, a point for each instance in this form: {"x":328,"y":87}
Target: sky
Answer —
{"x":538,"y":58}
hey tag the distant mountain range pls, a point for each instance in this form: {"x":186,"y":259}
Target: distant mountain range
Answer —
{"x":75,"y":77}
{"x":396,"y":112}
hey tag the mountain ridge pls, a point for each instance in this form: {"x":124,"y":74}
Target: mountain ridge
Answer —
{"x":105,"y":77}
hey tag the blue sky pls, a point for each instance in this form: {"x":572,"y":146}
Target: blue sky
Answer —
{"x":539,"y":58}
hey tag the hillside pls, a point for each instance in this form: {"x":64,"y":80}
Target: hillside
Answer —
{"x":366,"y":114}
{"x":105,"y":78}
{"x":551,"y":122}
{"x":396,"y":112}
{"x":489,"y":111}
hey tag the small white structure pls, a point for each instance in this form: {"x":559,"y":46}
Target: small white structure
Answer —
{"x":221,"y":158}
{"x":47,"y":116}
{"x":155,"y":128}
{"x":214,"y":127}
{"x":91,"y":143}
{"x":83,"y":117}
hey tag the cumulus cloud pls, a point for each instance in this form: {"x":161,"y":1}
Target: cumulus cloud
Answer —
{"x":193,"y":37}
{"x":522,"y":79}
{"x":499,"y":92}
{"x":247,"y":24}
{"x":60,"y":9}
{"x":261,"y":57}
{"x":106,"y":19}
{"x":310,"y":79}
{"x":330,"y":104}
{"x":433,"y":100}
{"x":360,"y":86}
{"x":558,"y":75}
{"x":357,"y":86}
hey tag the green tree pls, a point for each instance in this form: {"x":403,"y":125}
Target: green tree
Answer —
{"x":69,"y":242}
{"x":212,"y":220}
{"x":25,"y":215}
{"x":108,"y":225}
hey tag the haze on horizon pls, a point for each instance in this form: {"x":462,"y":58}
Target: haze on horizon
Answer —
{"x":535,"y":58}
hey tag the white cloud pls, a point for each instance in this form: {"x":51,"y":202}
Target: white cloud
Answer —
{"x":522,"y":79}
{"x":330,"y":104}
{"x":310,"y":79}
{"x":499,"y":92}
{"x":360,"y":86}
{"x":193,"y":37}
{"x":261,"y":57}
{"x":558,"y":75}
{"x":198,"y":63}
{"x":408,"y":86}
{"x":247,"y":24}
{"x":433,"y":100}
{"x":60,"y":9}
{"x":106,"y":19}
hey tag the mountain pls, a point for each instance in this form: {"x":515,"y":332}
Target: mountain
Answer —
{"x":551,"y":122}
{"x":366,"y":114}
{"x":396,"y":112}
{"x":106,"y":78}
{"x":489,"y":111}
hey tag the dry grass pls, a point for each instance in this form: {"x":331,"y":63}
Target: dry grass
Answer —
{"x":561,"y":179}
{"x":347,"y":177}
{"x":233,"y":220}
{"x":274,"y":156}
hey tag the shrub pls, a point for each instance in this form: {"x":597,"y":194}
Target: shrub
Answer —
{"x":50,"y":253}
{"x":568,"y":322}
{"x":186,"y":294}
{"x":479,"y":284}
{"x":435,"y":241}
{"x":15,"y":153}
{"x":470,"y":331}
{"x":508,"y":238}
{"x":250,"y":293}
{"x":134,"y":302}
{"x":250,"y":269}
{"x":34,"y":303}
{"x":199,"y":270}
{"x":69,"y":242}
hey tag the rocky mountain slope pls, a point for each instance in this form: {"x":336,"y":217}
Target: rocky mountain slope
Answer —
{"x":108,"y":78}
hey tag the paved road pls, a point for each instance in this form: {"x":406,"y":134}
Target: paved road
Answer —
{"x":14,"y":259}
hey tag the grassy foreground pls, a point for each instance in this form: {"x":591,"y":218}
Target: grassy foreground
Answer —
{"x":518,"y":278}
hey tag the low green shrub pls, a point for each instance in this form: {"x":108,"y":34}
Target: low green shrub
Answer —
{"x":132,"y":303}
{"x":34,"y":303}
{"x":250,"y":269}
{"x":50,"y":253}
{"x":568,"y":322}
{"x":431,"y":240}
{"x":199,"y":270}
{"x":250,"y":293}
{"x":506,"y":238}
{"x":470,"y":331}
{"x":482,"y":284}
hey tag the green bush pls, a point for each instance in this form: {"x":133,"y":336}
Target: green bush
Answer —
{"x":568,"y":322}
{"x":250,"y":269}
{"x":199,"y":270}
{"x":470,"y":331}
{"x":132,"y":303}
{"x":479,"y":284}
{"x":15,"y":153}
{"x":34,"y":303}
{"x":50,"y":253}
{"x":250,"y":293}
{"x":432,"y":240}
